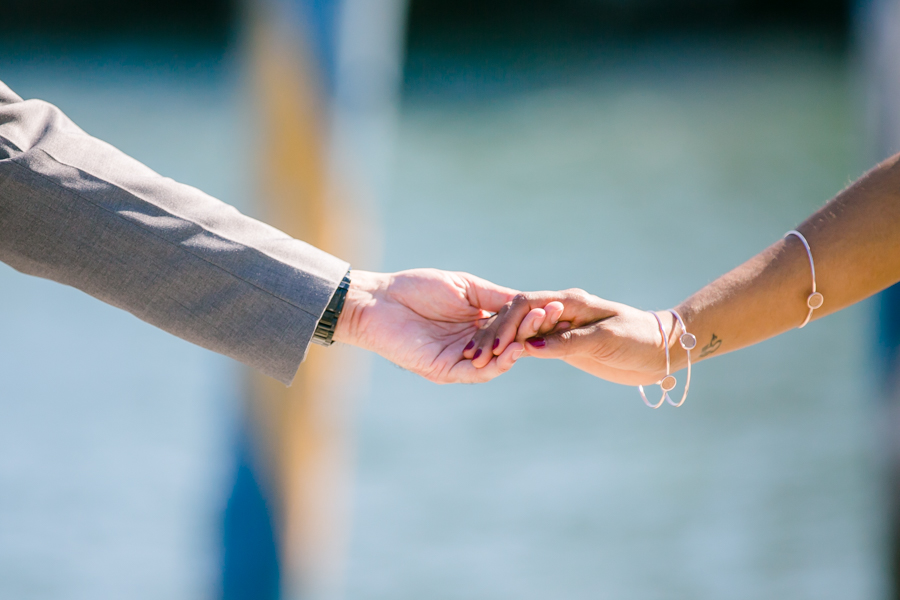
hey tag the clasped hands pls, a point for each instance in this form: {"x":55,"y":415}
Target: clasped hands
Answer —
{"x":452,"y":327}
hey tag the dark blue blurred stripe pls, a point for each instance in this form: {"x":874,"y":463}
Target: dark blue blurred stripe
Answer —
{"x":888,"y":335}
{"x":251,"y":569}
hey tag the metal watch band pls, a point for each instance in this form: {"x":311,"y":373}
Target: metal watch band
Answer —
{"x":324,"y":334}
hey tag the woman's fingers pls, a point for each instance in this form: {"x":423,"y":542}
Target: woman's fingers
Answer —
{"x":561,"y":326}
{"x":465,"y":371}
{"x":534,"y":314}
{"x":501,"y":331}
{"x":486,"y":343}
{"x":512,"y":316}
{"x":495,"y":338}
{"x":475,"y":347}
{"x":609,"y":340}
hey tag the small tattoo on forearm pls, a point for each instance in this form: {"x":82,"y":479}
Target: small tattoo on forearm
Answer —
{"x":714,"y":344}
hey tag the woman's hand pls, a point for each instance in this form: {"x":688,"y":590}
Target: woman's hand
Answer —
{"x":609,"y":340}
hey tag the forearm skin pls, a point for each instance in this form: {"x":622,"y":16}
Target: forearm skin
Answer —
{"x":855,"y":241}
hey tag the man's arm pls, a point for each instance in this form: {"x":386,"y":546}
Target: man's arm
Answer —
{"x":76,"y":210}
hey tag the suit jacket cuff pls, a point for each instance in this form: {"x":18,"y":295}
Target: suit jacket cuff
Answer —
{"x":78,"y":211}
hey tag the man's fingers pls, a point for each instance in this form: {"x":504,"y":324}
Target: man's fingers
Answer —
{"x":554,"y":312}
{"x":532,"y":324}
{"x":508,"y":358}
{"x":486,"y":295}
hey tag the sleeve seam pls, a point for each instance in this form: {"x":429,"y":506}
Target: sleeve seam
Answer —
{"x":152,"y":233}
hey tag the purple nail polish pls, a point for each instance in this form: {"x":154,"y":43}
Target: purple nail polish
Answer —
{"x":477,"y":354}
{"x":537,"y":342}
{"x":470,"y":345}
{"x":496,"y":343}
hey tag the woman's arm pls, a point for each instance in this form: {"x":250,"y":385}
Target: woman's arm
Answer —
{"x":855,"y":241}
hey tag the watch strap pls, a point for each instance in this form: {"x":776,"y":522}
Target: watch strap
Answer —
{"x":324,"y":334}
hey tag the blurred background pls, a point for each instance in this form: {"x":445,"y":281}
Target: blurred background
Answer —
{"x":634,"y":148}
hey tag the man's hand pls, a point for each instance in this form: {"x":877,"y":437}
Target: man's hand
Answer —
{"x":422,"y":320}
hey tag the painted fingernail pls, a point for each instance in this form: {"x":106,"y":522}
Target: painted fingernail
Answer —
{"x":477,"y":354}
{"x":496,"y":343}
{"x":469,"y":346}
{"x":517,"y":355}
{"x":537,"y":342}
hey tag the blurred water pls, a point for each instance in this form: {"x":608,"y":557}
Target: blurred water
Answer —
{"x":115,"y":438}
{"x":640,"y":178}
{"x":637,"y":173}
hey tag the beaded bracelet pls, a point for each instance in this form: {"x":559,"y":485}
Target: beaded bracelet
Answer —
{"x":815,"y":299}
{"x":688,"y":341}
{"x":667,"y":383}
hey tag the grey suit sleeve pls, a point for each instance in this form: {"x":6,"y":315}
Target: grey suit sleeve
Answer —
{"x":76,"y":210}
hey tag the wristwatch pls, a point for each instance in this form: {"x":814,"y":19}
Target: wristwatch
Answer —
{"x":324,"y":334}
